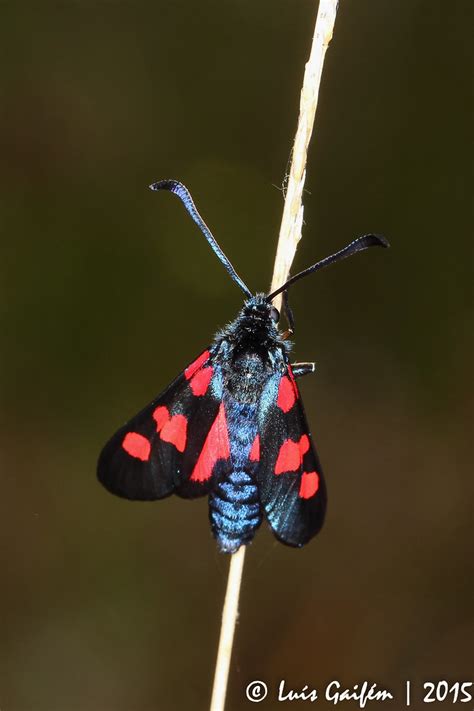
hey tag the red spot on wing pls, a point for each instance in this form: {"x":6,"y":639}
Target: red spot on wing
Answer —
{"x":254,"y":455}
{"x":290,"y":456}
{"x":136,"y":445}
{"x":195,"y":365}
{"x":286,"y":394}
{"x":161,"y":416}
{"x":309,"y":485}
{"x":304,"y":445}
{"x":215,"y":447}
{"x":200,"y":381}
{"x":175,"y":432}
{"x":171,"y":429}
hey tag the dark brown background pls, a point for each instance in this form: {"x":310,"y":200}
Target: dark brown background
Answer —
{"x":107,"y":291}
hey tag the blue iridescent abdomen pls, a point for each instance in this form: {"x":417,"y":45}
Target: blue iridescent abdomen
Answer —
{"x":234,"y":508}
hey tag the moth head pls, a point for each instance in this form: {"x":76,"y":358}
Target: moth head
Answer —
{"x":260,"y":311}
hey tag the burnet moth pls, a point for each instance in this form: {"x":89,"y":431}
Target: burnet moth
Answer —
{"x":232,"y":425}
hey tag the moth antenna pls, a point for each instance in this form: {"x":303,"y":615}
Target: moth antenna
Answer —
{"x":358,"y":245}
{"x":174,"y":186}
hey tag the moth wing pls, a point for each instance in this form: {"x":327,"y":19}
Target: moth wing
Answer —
{"x":177,"y":443}
{"x":291,"y":484}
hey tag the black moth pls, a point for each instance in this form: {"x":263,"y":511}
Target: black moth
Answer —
{"x":232,"y":424}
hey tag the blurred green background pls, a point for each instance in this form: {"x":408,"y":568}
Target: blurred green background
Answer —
{"x":107,"y":290}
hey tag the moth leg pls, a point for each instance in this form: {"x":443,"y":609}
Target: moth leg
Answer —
{"x":288,"y":313}
{"x":289,"y":318}
{"x":300,"y":369}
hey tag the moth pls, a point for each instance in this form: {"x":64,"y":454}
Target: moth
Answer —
{"x":232,"y":425}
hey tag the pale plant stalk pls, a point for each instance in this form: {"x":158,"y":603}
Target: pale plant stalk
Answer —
{"x":290,"y":235}
{"x":292,"y":221}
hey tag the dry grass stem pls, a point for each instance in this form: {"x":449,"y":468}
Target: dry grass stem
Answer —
{"x":292,"y":220}
{"x":229,"y":618}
